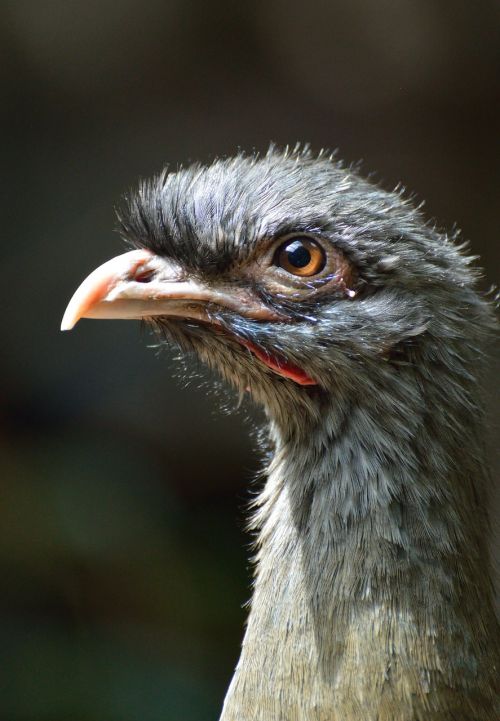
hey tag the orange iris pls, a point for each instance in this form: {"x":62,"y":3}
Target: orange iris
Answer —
{"x":300,"y":256}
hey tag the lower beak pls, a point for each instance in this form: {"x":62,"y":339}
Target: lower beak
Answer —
{"x":139,"y":284}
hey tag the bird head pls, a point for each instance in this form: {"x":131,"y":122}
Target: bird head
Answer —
{"x":291,"y":275}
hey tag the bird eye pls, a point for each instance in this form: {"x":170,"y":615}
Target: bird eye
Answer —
{"x":300,"y":256}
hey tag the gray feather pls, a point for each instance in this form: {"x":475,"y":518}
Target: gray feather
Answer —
{"x":372,"y":594}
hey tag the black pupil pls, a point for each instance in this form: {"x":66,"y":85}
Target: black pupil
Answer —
{"x":297,"y":254}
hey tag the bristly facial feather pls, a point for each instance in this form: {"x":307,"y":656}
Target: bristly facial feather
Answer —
{"x":413,"y":287}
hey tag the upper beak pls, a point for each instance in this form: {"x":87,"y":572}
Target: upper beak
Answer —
{"x":139,"y":284}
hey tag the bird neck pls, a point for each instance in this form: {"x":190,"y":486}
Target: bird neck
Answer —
{"x":370,"y":569}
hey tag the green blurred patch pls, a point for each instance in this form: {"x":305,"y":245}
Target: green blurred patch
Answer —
{"x":119,"y":600}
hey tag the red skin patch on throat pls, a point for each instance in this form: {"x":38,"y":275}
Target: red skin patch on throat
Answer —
{"x":279,"y":365}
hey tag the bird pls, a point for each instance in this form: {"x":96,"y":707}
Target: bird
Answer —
{"x":356,"y":324}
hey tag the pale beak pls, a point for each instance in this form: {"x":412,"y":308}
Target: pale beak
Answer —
{"x":139,"y":284}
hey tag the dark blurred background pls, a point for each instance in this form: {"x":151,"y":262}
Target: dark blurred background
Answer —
{"x":123,"y":555}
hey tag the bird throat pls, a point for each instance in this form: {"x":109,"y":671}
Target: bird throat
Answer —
{"x":278,"y":364}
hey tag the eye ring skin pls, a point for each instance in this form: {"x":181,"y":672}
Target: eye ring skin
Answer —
{"x":338,"y":275}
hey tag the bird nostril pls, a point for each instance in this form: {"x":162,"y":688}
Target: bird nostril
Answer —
{"x":144,"y":276}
